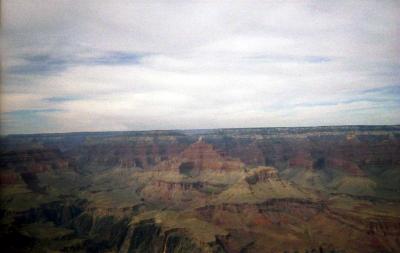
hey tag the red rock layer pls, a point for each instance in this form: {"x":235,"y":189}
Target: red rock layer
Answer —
{"x":8,"y":178}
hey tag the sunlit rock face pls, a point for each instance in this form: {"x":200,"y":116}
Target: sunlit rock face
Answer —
{"x":262,"y":174}
{"x":189,"y":177}
{"x":203,"y":156}
{"x":199,"y":157}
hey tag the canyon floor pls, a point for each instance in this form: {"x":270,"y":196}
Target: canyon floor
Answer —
{"x":311,"y":189}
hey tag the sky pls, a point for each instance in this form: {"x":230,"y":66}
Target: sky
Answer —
{"x":72,"y":66}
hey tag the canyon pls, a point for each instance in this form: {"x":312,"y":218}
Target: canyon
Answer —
{"x":306,"y":189}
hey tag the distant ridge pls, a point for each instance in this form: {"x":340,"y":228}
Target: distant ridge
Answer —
{"x":323,"y":128}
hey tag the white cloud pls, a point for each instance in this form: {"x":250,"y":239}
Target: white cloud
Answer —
{"x":202,"y":64}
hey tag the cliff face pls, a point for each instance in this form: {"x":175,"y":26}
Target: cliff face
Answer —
{"x":202,"y":156}
{"x":149,"y":237}
{"x":173,"y":193}
{"x":340,"y":147}
{"x":262,"y":175}
{"x":22,"y":166}
{"x":275,"y":217}
{"x":198,"y":157}
{"x":33,"y":160}
{"x":191,"y":176}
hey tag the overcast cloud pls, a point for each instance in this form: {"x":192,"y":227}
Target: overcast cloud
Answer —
{"x":140,"y":65}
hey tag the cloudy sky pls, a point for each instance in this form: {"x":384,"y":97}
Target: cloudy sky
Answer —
{"x":139,"y":65}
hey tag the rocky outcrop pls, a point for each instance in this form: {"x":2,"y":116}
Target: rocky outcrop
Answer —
{"x":107,"y":233}
{"x":173,"y":193}
{"x":190,"y":176}
{"x":378,"y":226}
{"x":33,"y":160}
{"x":262,"y":174}
{"x":301,"y":208}
{"x":149,"y":237}
{"x":58,"y":212}
{"x":202,"y":156}
{"x":198,"y":157}
{"x":301,"y":159}
{"x":346,"y":166}
{"x":178,"y":186}
{"x":137,"y":152}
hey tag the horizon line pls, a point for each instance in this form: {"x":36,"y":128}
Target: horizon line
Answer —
{"x":195,"y":129}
